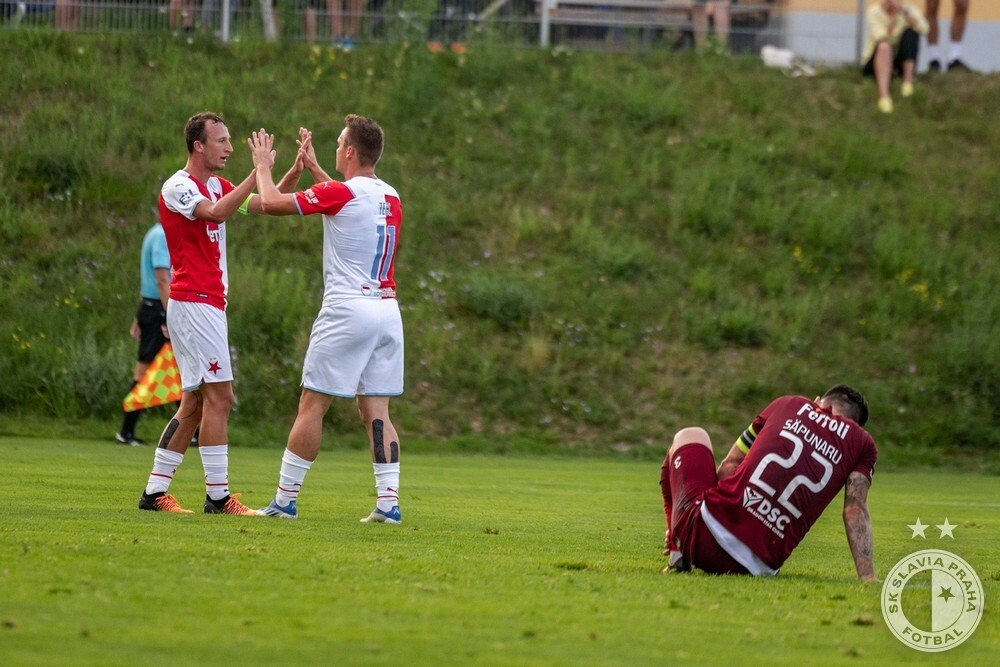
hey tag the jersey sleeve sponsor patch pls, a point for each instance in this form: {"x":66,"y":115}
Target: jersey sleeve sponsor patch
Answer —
{"x":327,"y":198}
{"x":181,"y":195}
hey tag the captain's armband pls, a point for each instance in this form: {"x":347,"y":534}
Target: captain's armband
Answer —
{"x":245,"y":206}
{"x":745,"y":441}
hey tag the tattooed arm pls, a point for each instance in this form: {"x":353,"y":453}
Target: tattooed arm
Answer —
{"x":858,"y":525}
{"x":731,"y":462}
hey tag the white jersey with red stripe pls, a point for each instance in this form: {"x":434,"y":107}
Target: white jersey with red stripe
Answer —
{"x":362,"y":218}
{"x":197,"y":247}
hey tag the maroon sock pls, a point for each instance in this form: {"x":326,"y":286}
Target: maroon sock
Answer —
{"x":665,"y":490}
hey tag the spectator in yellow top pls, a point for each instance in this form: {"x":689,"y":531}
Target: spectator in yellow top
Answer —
{"x":894,"y":29}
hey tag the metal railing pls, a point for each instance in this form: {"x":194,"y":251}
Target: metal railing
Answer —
{"x":449,"y":22}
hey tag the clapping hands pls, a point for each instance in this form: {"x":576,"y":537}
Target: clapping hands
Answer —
{"x":262,"y":149}
{"x":307,"y":155}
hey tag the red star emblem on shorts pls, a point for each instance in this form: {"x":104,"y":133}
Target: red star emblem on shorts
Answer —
{"x":214,"y":367}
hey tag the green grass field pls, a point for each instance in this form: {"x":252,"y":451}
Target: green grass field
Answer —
{"x":597,"y":248}
{"x":502,"y":560}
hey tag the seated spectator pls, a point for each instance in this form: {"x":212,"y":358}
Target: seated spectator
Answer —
{"x":894,"y":29}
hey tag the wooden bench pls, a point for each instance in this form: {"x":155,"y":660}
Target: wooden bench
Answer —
{"x":637,"y":14}
{"x":617,"y":13}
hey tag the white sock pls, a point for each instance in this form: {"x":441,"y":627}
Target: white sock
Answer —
{"x":165,"y":463}
{"x":386,"y":485}
{"x":954,"y":51}
{"x":934,"y":52}
{"x":215,"y":461}
{"x":293,"y":473}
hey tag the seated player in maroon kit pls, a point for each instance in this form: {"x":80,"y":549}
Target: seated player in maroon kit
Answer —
{"x":778,"y":478}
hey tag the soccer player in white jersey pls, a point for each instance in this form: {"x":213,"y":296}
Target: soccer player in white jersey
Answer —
{"x":194,"y":205}
{"x":356,"y":345}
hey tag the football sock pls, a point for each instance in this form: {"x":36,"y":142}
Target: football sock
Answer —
{"x":933,"y":52}
{"x":165,"y":463}
{"x":667,"y":495}
{"x":954,"y":51}
{"x":293,"y":473}
{"x":129,"y":419}
{"x":215,"y":461}
{"x":386,"y":485}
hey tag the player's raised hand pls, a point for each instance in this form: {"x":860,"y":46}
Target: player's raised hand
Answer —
{"x":306,"y":152}
{"x":262,"y":149}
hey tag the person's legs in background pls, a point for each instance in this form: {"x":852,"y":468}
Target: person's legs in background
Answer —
{"x":958,"y":22}
{"x":933,"y":50}
{"x":906,"y":59}
{"x":882,"y":64}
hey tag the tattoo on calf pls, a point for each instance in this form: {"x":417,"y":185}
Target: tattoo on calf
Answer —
{"x":168,"y":433}
{"x":393,"y":452}
{"x":378,"y":446}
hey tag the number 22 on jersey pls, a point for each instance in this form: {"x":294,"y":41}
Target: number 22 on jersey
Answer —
{"x":799,"y":480}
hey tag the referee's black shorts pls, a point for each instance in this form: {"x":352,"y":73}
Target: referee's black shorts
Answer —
{"x":150,"y":317}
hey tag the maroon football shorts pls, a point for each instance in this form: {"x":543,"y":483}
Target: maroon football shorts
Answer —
{"x":691,"y":474}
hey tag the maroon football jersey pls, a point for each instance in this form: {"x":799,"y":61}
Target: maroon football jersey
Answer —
{"x":799,"y":457}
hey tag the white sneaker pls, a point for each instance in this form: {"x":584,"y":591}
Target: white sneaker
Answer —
{"x":378,"y":516}
{"x":289,"y":511}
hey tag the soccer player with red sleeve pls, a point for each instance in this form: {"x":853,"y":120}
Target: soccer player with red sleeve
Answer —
{"x":356,"y":345}
{"x":194,"y":205}
{"x":779,"y":476}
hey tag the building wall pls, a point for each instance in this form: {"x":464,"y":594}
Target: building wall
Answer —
{"x":826,"y":31}
{"x":979,"y":10}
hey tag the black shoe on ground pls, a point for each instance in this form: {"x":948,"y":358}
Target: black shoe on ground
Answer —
{"x":934,"y":66}
{"x":130,"y":440}
{"x":229,"y":505}
{"x":958,"y":65}
{"x":677,"y":563}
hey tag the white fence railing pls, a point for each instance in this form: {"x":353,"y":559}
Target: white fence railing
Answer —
{"x":455,"y":23}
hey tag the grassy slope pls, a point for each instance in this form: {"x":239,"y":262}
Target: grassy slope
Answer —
{"x":500,"y":560}
{"x":598,"y":248}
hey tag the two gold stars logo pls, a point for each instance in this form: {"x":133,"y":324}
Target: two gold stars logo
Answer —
{"x":946,"y":529}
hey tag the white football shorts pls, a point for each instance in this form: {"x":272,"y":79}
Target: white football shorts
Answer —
{"x":356,"y":348}
{"x":200,"y":336}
